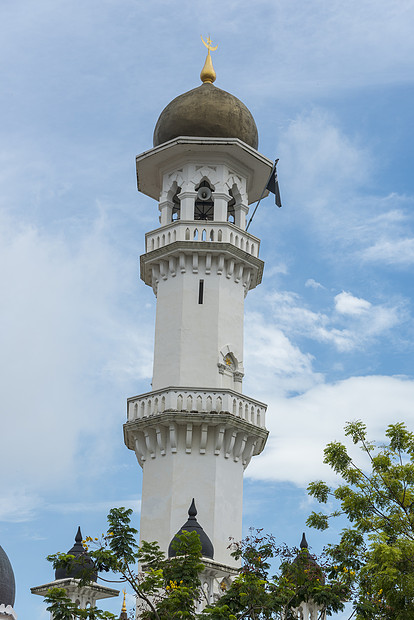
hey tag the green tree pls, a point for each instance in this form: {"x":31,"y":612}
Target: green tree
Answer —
{"x":171,"y":588}
{"x":257,"y":595}
{"x":165,"y":588}
{"x":376,"y":549}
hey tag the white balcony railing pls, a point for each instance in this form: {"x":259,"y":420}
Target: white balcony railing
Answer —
{"x":224,"y":232}
{"x":192,"y":400}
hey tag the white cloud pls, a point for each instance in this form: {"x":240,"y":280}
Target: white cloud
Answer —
{"x":328,"y":195}
{"x":17,"y":505}
{"x":391,"y":252}
{"x":301,"y":426}
{"x":355,"y":323}
{"x":311,"y":283}
{"x":279,"y":269}
{"x":273,"y":362}
{"x":345,"y":303}
{"x":66,"y":344}
{"x":331,"y":164}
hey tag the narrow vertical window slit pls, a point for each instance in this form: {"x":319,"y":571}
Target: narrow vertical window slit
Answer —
{"x":201,"y":291}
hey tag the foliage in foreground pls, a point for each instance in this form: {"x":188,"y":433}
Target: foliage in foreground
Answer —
{"x":171,"y":588}
{"x":377,"y":548}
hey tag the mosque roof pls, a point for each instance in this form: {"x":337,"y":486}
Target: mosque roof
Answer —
{"x":7,"y":583}
{"x":85,"y":560}
{"x":306,"y":561}
{"x":192,"y":525}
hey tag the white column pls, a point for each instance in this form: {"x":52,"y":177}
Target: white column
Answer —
{"x":187,"y":200}
{"x":240,"y":212}
{"x":166,"y":208}
{"x":220,"y":206}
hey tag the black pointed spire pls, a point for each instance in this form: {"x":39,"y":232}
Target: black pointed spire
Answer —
{"x":192,"y":511}
{"x":192,"y":525}
{"x":304,"y":542}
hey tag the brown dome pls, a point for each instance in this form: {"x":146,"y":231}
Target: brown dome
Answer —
{"x":206,"y":111}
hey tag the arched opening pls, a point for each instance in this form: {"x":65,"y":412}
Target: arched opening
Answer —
{"x":176,"y":205}
{"x":204,"y":204}
{"x":230,"y":208}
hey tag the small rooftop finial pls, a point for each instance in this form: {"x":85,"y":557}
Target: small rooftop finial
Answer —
{"x":192,"y":511}
{"x":124,"y":614}
{"x":78,"y":537}
{"x":207,"y":72}
{"x":303,"y":542}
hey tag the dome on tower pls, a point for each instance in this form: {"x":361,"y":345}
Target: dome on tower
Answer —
{"x":7,"y":583}
{"x":84,"y":561}
{"x":192,"y":525}
{"x":206,"y":111}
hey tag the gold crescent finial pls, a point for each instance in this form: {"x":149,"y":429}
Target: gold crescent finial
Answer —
{"x":208,"y":44}
{"x":207,"y":72}
{"x":124,"y":603}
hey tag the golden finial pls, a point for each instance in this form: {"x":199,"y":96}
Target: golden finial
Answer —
{"x":124,"y":603}
{"x":207,"y":72}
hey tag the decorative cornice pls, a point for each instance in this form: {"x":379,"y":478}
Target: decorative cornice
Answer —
{"x":70,"y":583}
{"x":172,"y":432}
{"x":232,"y":261}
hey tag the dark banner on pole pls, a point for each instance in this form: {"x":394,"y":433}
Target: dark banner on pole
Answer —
{"x":273,"y":185}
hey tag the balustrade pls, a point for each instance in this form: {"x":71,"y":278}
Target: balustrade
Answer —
{"x":222,"y":232}
{"x":196,"y":401}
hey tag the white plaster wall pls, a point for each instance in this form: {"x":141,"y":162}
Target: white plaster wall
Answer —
{"x":171,"y":481}
{"x":189,"y":335}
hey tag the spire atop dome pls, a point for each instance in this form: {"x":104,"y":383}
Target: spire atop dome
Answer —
{"x":303,"y":542}
{"x":207,"y":72}
{"x":124,"y":613}
{"x":192,"y":511}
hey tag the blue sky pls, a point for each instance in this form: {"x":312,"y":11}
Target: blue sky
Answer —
{"x":329,"y":333}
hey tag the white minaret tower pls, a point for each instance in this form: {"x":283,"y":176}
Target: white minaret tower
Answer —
{"x":195,"y":432}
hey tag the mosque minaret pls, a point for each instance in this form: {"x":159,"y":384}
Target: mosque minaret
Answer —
{"x":195,"y":432}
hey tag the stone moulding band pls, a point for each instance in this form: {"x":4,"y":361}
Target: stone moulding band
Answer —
{"x":171,"y":260}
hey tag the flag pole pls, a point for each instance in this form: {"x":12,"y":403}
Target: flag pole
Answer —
{"x":262,"y":195}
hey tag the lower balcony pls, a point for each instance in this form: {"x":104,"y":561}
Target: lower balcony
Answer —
{"x":196,"y":400}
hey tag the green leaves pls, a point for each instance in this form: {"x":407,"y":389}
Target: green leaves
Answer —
{"x":171,"y":588}
{"x":121,"y":536}
{"x":378,"y":500}
{"x":319,"y":490}
{"x":337,"y":457}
